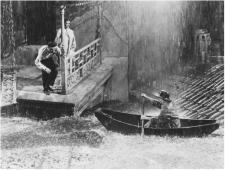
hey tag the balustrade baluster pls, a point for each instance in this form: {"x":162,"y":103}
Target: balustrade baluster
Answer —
{"x":81,"y":63}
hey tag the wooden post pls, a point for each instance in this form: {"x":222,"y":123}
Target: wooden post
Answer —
{"x":63,"y":57}
{"x":128,"y":48}
{"x":12,"y":39}
{"x":100,"y":31}
{"x":142,"y":114}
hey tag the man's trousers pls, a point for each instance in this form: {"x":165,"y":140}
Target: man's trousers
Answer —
{"x":49,"y":79}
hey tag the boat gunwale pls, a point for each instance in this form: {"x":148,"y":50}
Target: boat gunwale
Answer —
{"x":184,"y":127}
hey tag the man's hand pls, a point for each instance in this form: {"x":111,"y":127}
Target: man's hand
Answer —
{"x":58,"y":68}
{"x":143,"y":95}
{"x":47,"y":70}
{"x":62,"y":51}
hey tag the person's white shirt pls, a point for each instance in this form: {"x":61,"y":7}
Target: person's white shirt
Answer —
{"x":69,"y":40}
{"x":41,"y":56}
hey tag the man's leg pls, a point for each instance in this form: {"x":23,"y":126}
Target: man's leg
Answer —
{"x":163,"y":122}
{"x":45,"y":80}
{"x":53,"y":76}
{"x":175,"y":123}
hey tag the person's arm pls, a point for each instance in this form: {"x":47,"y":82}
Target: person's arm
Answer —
{"x":58,"y":51}
{"x":74,"y":45}
{"x":38,"y":61}
{"x":56,"y":57}
{"x":148,"y":97}
{"x":154,"y":102}
{"x":58,"y":37}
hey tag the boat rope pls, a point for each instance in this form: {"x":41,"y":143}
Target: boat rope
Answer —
{"x":118,"y":120}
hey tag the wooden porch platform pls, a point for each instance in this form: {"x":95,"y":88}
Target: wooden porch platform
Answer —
{"x":32,"y":101}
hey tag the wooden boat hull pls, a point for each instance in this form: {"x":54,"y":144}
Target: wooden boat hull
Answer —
{"x":131,"y":124}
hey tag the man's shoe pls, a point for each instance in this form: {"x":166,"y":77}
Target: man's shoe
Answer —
{"x":50,"y":89}
{"x":46,"y":92}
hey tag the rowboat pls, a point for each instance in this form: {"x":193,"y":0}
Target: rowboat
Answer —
{"x":126,"y":123}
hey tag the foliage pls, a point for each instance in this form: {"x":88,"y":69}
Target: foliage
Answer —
{"x":7,"y":30}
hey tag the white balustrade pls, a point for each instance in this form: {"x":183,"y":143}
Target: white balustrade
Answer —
{"x":79,"y":64}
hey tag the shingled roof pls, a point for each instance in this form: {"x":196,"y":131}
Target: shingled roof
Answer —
{"x":204,"y":97}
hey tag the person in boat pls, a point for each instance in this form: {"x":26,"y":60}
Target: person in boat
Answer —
{"x":48,"y":61}
{"x":69,"y":39}
{"x":167,"y":118}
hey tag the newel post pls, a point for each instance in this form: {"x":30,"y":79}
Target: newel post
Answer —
{"x":63,"y":57}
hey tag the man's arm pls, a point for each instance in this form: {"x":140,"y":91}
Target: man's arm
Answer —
{"x":58,"y":50}
{"x":154,"y":102}
{"x":74,"y":44}
{"x":38,"y":61}
{"x":56,"y":56}
{"x":58,"y":37}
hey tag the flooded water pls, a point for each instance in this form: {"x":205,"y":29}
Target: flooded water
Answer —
{"x":120,"y":151}
{"x":133,"y":151}
{"x":57,"y":144}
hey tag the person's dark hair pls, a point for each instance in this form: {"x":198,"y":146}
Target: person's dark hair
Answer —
{"x":165,"y":96}
{"x":52,"y":44}
{"x":66,"y":20}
